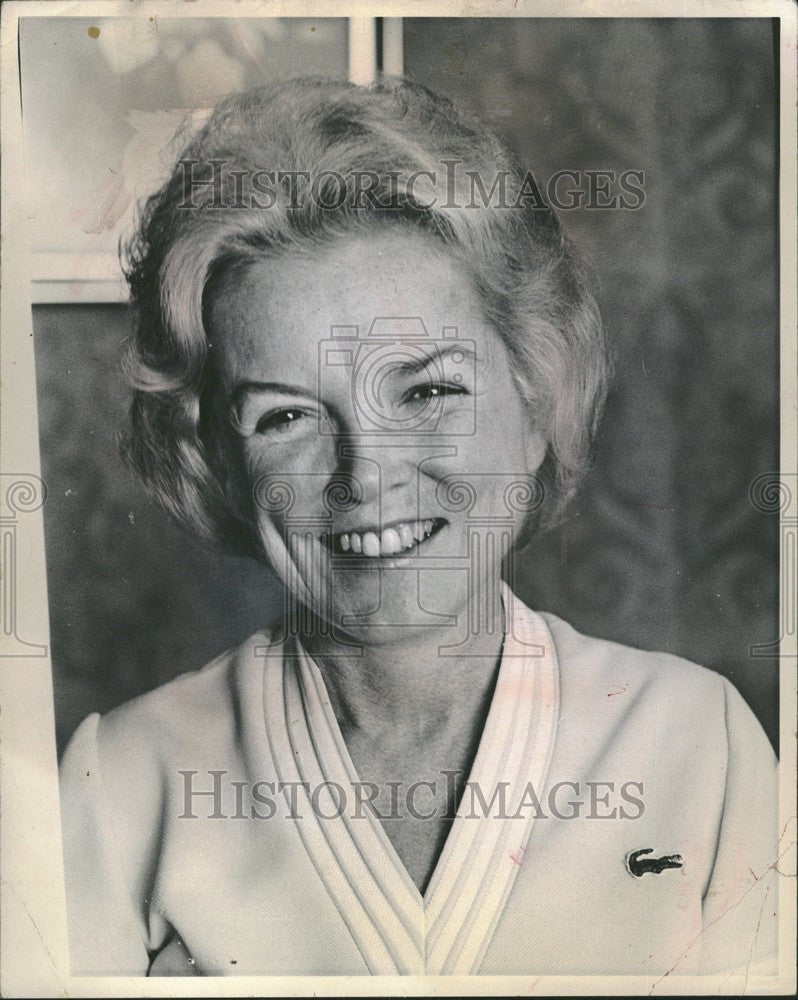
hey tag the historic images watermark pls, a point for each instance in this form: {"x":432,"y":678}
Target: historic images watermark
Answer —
{"x":451,"y":187}
{"x":20,"y":494}
{"x":777,"y":493}
{"x":216,"y":794}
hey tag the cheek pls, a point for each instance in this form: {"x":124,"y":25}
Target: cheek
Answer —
{"x":488,"y":485}
{"x":287,"y":482}
{"x":501,"y":431}
{"x":495,"y":448}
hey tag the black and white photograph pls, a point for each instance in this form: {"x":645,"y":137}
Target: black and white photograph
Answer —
{"x":399,"y":499}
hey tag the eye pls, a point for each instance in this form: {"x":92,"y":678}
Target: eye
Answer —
{"x":279,"y":422}
{"x":433,"y":390}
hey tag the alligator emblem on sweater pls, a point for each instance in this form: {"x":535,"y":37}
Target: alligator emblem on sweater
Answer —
{"x":638,"y":865}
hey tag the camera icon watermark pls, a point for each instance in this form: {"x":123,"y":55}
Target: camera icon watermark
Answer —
{"x":395,"y":346}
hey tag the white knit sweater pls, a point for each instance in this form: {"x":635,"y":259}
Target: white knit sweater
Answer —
{"x":599,"y":751}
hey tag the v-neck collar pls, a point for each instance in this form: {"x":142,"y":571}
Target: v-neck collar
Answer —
{"x":447,"y":930}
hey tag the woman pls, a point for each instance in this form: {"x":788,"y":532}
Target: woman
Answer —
{"x":365,"y":354}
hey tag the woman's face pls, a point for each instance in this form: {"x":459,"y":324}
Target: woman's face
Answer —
{"x":380,"y":431}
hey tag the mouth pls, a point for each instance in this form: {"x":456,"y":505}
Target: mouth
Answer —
{"x":394,"y":539}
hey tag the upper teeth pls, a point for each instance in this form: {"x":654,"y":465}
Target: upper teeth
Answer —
{"x":387,"y":542}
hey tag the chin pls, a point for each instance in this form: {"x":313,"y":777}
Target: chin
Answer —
{"x":400,"y":605}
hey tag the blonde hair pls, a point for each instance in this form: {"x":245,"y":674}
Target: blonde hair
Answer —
{"x":191,"y":235}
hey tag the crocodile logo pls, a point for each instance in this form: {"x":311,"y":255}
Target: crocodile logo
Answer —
{"x":638,"y":865}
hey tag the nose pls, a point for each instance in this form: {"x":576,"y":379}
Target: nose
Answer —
{"x":378,"y":462}
{"x":373,"y":468}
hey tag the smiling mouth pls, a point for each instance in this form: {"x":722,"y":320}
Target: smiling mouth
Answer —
{"x":393,"y":540}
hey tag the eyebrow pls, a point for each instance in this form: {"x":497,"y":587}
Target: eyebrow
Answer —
{"x":415,"y":365}
{"x":411,"y":366}
{"x":252,"y":388}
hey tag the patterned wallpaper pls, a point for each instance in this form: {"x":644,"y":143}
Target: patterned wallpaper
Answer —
{"x":664,"y":548}
{"x":133,"y":601}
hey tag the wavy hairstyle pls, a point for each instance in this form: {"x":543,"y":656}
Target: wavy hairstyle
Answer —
{"x":189,"y":237}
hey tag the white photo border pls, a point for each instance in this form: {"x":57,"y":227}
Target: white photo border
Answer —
{"x":34,"y":938}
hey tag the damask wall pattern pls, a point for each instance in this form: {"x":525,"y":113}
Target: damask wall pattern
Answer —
{"x":663,"y":548}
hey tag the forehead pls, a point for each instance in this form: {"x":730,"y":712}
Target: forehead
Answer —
{"x":275,"y":313}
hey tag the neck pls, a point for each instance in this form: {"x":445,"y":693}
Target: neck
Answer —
{"x":407,"y":686}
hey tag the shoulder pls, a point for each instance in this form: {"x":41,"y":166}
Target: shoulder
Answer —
{"x":604,"y":662}
{"x":680,"y":699}
{"x":121,"y":772}
{"x":178,"y":721}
